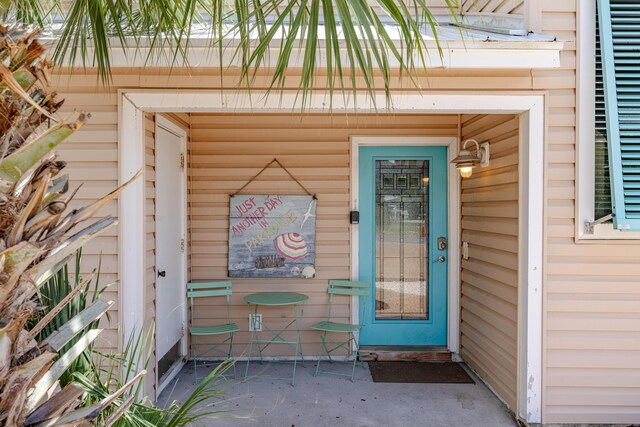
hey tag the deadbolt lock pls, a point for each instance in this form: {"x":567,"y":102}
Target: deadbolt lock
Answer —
{"x":442,"y":243}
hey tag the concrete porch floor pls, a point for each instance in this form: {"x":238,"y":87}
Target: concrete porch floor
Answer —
{"x":336,"y":401}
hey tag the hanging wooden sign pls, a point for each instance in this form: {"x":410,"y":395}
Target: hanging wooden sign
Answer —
{"x":272,"y":236}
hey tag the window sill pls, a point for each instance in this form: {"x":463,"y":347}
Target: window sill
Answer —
{"x":607,"y":232}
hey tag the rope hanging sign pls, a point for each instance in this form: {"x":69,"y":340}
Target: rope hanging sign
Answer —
{"x":272,"y":235}
{"x":277,"y":162}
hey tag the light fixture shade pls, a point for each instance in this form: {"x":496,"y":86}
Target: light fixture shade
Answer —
{"x":465,"y":161}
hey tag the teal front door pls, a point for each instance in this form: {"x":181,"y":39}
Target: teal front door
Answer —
{"x":403,"y":245}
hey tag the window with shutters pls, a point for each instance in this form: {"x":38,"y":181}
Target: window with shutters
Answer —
{"x":608,"y":83}
{"x":618,"y":25}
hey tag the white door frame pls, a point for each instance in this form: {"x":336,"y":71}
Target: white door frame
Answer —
{"x":530,"y":107}
{"x":453,"y":219}
{"x":169,"y":126}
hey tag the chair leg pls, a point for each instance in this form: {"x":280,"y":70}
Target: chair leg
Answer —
{"x":230,"y":355}
{"x":194,"y":347}
{"x":355,"y":352}
{"x":322,"y":337}
{"x":356,"y":355}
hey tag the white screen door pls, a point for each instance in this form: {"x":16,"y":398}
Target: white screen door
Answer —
{"x":170,"y":240}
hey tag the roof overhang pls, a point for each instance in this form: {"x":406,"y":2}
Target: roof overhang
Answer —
{"x":462,"y":48}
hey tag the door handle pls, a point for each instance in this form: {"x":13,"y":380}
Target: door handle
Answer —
{"x":441,"y":258}
{"x":162,"y":273}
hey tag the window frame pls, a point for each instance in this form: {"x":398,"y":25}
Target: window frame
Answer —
{"x":586,"y":132}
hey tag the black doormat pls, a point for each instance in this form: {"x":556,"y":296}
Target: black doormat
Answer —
{"x":419,"y":372}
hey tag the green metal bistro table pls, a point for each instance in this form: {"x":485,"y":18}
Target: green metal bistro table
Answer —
{"x":275,"y":335}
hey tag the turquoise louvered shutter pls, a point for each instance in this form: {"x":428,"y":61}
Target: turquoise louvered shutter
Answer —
{"x":619,"y":25}
{"x":602,"y":190}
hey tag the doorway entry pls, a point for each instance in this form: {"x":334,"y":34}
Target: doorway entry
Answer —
{"x":403,"y":244}
{"x":134,"y":103}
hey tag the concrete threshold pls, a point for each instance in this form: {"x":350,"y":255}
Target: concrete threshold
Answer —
{"x":405,"y":353}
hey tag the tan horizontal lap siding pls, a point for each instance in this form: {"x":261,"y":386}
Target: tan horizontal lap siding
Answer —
{"x":489,"y":278}
{"x":228,"y":150}
{"x":91,"y":154}
{"x":592,"y":291}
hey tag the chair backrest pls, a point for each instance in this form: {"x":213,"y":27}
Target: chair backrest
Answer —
{"x":209,"y":290}
{"x":348,"y":288}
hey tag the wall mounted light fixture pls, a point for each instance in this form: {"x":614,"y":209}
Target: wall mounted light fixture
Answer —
{"x":465,"y":162}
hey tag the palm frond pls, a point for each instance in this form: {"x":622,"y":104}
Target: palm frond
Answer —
{"x":347,"y":42}
{"x":36,"y":241}
{"x":27,"y":12}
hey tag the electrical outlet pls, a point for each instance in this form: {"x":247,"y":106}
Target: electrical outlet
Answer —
{"x":465,"y":250}
{"x":255,"y":322}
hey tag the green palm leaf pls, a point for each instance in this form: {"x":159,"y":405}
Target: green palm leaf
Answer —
{"x":345,"y":41}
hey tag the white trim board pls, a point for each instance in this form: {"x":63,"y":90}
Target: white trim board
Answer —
{"x":131,"y":159}
{"x":463,"y":55}
{"x":131,"y":143}
{"x":530,"y":262}
{"x":453,"y":232}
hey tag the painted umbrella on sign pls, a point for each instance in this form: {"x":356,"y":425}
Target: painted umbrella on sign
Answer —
{"x":291,"y":245}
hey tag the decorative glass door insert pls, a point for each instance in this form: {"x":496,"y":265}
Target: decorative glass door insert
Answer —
{"x":402,"y":244}
{"x":402,"y":241}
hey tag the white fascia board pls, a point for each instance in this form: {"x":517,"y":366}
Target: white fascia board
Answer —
{"x":511,"y":58}
{"x":455,"y":54}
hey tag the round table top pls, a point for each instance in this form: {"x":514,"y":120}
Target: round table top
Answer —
{"x":275,"y":298}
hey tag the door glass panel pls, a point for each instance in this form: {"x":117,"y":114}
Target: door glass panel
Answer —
{"x":402,"y":206}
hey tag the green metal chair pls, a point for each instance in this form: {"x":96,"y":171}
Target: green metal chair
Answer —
{"x":345,"y":288}
{"x":197,"y":333}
